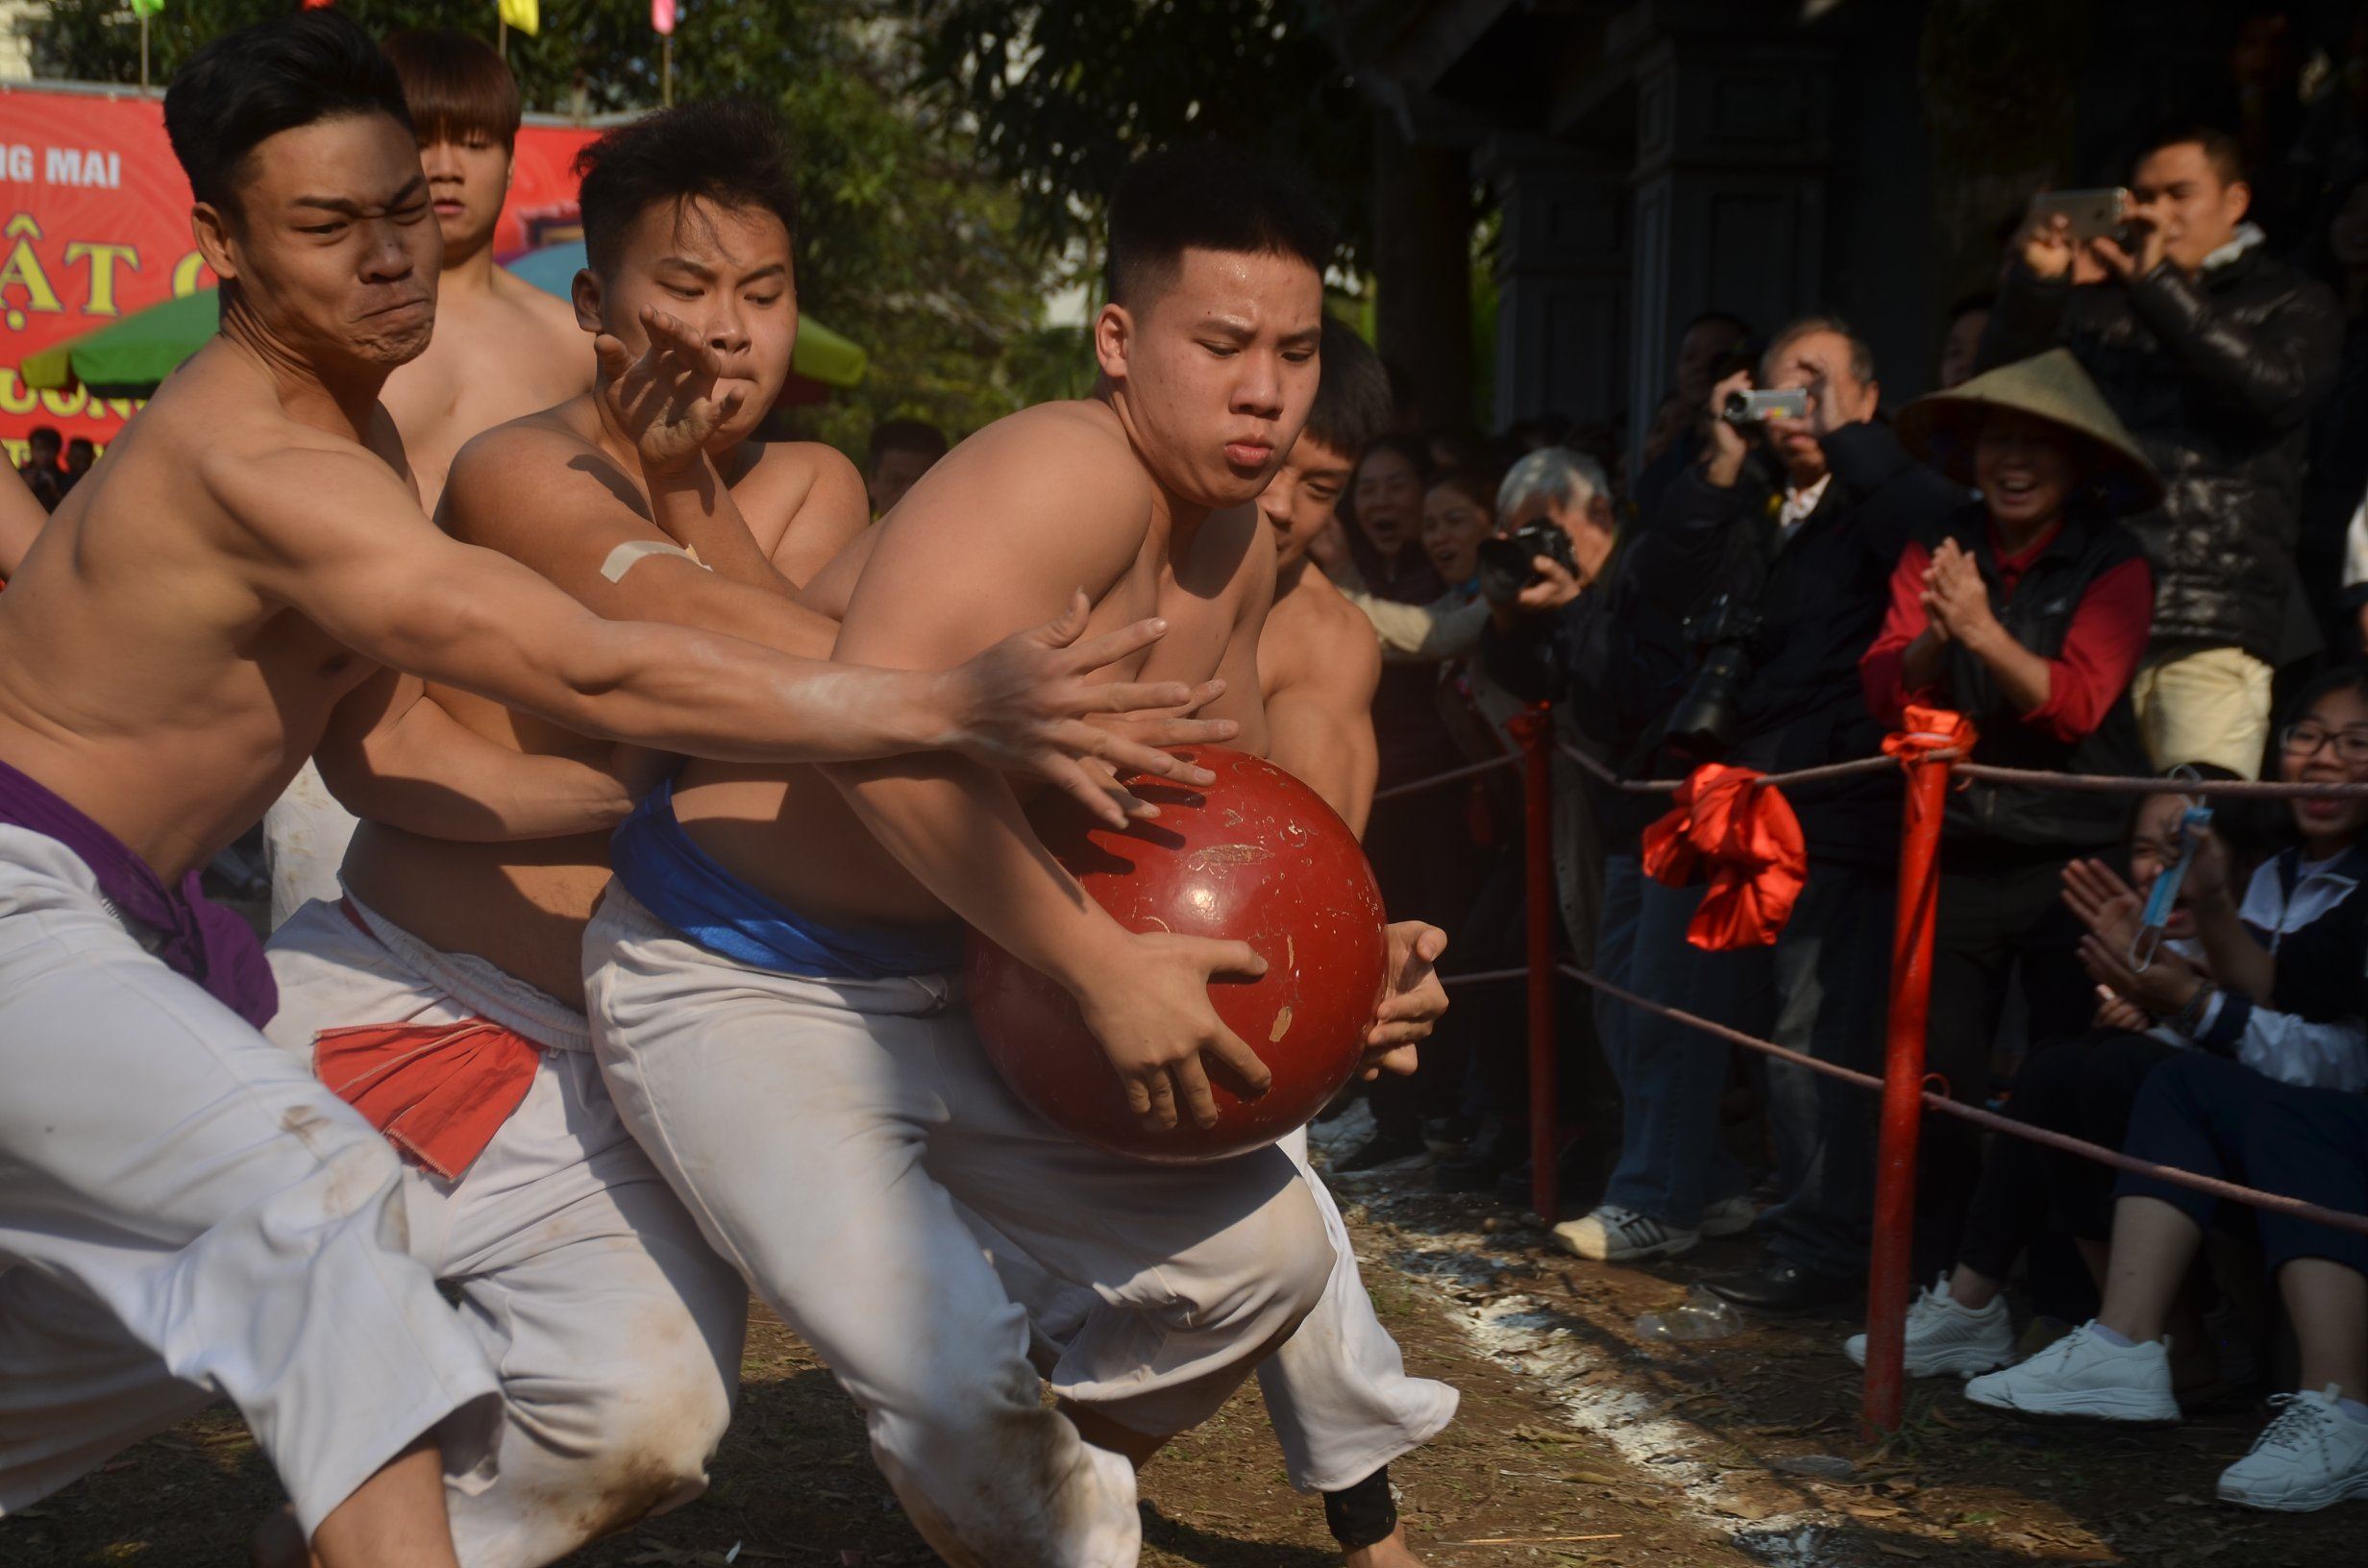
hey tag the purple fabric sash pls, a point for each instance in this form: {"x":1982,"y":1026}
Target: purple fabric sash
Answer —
{"x":201,"y":939}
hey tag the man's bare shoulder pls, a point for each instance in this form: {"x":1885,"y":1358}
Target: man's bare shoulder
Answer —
{"x":503,"y":476}
{"x":549,"y":314}
{"x":1314,"y":627}
{"x":1057,"y":465}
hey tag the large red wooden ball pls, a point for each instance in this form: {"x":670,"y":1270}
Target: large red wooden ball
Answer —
{"x":1255,"y":856}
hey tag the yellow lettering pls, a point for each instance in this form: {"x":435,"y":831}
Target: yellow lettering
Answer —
{"x":23,"y":269}
{"x":185,"y":279}
{"x":102,"y":260}
{"x":14,"y":397}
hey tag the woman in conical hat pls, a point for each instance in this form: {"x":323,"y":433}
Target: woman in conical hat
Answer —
{"x":2026,"y":610}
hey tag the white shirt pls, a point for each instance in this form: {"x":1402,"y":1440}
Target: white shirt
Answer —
{"x":1799,"y":504}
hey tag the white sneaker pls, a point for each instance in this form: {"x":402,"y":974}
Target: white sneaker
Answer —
{"x":2311,"y":1455}
{"x":1609,"y":1233}
{"x":1947,"y":1340}
{"x":2081,"y":1375}
{"x":1730,"y":1217}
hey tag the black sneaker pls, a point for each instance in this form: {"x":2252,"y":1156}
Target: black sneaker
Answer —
{"x":1492,"y":1151}
{"x":1381,"y":1149}
{"x":1784,"y":1289}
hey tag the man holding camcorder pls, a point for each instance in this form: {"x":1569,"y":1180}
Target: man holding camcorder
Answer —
{"x":2213,"y":352}
{"x":1794,"y":518}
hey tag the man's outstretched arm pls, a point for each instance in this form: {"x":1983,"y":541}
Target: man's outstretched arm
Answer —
{"x":376,"y":575}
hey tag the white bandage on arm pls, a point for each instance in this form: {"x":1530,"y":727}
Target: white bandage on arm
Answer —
{"x":622,"y":558}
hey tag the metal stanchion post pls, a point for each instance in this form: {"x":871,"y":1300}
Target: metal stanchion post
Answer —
{"x":1903,"y":1087}
{"x":1534,"y":730}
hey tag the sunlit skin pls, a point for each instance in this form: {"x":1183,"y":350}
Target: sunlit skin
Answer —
{"x":724,"y":276}
{"x":1453,"y":523}
{"x":1388,"y":495}
{"x":503,"y":348}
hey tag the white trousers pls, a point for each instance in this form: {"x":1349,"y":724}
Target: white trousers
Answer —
{"x":305,"y":835}
{"x":1337,"y":1392}
{"x":185,"y":1214}
{"x":823,"y":1131}
{"x":615,"y":1330}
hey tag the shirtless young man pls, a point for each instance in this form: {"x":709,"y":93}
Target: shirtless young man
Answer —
{"x":195,"y":1216}
{"x":611,"y":1321}
{"x":1337,"y":1392}
{"x":502,"y":349}
{"x":767,"y":977}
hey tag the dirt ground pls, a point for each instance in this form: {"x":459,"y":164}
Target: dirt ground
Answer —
{"x":1578,"y":1442}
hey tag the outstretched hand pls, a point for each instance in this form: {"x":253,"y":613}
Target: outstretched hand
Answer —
{"x":670,"y":401}
{"x":1027,"y":707}
{"x":1412,"y":1001}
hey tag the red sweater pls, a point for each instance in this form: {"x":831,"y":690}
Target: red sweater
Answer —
{"x":2100,"y":654}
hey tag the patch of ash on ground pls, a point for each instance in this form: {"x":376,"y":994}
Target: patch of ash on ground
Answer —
{"x":1499,"y":1299}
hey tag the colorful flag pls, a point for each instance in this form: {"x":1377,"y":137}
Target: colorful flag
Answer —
{"x":663,"y":15}
{"x":526,"y":16}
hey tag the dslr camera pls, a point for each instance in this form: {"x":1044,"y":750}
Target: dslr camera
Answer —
{"x":1505,"y":561}
{"x":1702,"y":725}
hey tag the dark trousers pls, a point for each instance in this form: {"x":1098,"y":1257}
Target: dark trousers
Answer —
{"x":1818,"y":990}
{"x":2001,"y":911}
{"x":2218,"y":1118}
{"x":2086,"y":1088}
{"x":1422,"y":854}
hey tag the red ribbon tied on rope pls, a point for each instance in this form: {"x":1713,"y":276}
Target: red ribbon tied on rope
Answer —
{"x":1923,"y":730}
{"x":1742,"y":835}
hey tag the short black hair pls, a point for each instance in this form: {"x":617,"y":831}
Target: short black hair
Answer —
{"x":1415,"y":451}
{"x":733,"y":152}
{"x":44,"y":433}
{"x":1966,"y":304}
{"x":455,"y":83}
{"x":1207,"y":195}
{"x":1352,"y":404}
{"x":917,"y":436}
{"x":249,"y":86}
{"x":2221,"y":149}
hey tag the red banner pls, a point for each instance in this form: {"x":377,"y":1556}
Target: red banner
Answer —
{"x":94,"y":225}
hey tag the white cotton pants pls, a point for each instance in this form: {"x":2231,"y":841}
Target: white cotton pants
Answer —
{"x":305,"y":835}
{"x":615,"y":1330}
{"x":185,"y":1214}
{"x":822,"y":1132}
{"x":1337,"y":1392}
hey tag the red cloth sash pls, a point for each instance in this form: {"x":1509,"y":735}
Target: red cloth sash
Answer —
{"x":1741,"y":835}
{"x":440,"y":1092}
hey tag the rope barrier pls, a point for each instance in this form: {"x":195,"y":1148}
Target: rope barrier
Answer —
{"x":2273,"y":1202}
{"x":1508,"y":760}
{"x":2084,"y":783}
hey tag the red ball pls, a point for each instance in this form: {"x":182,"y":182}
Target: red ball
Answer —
{"x":1255,"y":857}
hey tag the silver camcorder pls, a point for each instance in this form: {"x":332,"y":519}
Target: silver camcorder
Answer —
{"x":1754,"y":407}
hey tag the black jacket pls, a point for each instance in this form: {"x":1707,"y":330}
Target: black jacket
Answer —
{"x":1613,"y":662}
{"x":2216,"y":376}
{"x":2038,"y":616}
{"x":1821,"y":593}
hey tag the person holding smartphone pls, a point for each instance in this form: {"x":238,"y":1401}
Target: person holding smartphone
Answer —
{"x":2214,"y":353}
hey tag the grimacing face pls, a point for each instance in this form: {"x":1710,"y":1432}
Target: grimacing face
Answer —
{"x":332,"y":242}
{"x":722,"y":271}
{"x":1299,"y":500}
{"x":468,"y":179}
{"x":1216,"y":371}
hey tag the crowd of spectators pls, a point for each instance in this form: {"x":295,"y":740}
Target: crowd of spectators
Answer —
{"x":52,"y":465}
{"x":2090,"y":542}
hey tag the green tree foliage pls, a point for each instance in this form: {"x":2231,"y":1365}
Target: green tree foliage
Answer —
{"x":910,"y":245}
{"x":1067,"y":92}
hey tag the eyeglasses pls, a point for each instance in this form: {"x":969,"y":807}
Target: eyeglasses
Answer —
{"x":2305,"y":740}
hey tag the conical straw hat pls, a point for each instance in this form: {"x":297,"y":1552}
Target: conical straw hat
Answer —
{"x":1941,"y":426}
